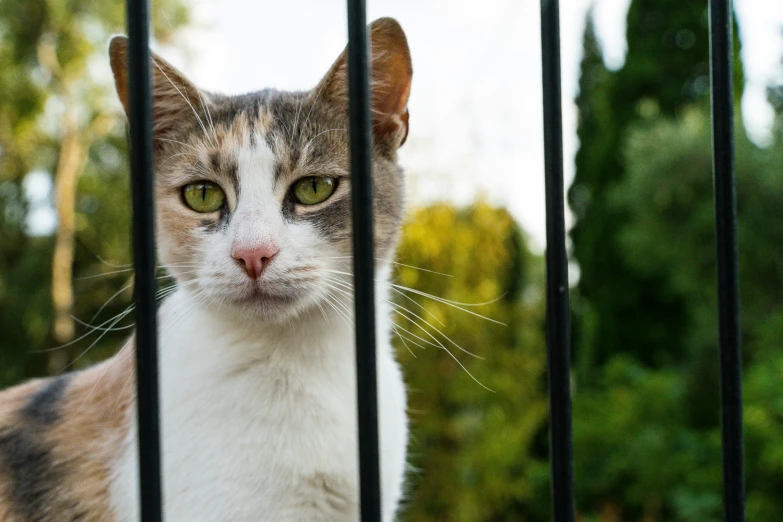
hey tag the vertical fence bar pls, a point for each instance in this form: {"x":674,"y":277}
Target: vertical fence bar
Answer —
{"x":721,"y":70}
{"x":140,"y":119}
{"x":363,"y":261}
{"x":557,"y":309}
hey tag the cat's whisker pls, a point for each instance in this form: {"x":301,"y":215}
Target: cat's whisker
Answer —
{"x":425,"y":341}
{"x":128,"y":380}
{"x":98,"y":328}
{"x":393,"y":304}
{"x":400,"y":307}
{"x":126,"y":270}
{"x":458,"y":303}
{"x":179,"y":142}
{"x":117,"y":363}
{"x":417,"y":268}
{"x":155,"y":62}
{"x":392,"y":287}
{"x":101,"y":336}
{"x":317,"y":94}
{"x":103,"y":374}
{"x":340,"y":306}
{"x":348,"y":295}
{"x":420,"y":306}
{"x":205,"y":106}
{"x":330,"y":299}
{"x":406,"y":314}
{"x":454,"y":304}
{"x":399,"y":335}
{"x":188,"y":154}
{"x":74,"y":341}
{"x":454,"y":357}
{"x":161,"y":294}
{"x":163,"y":12}
{"x":112,"y":265}
{"x":105,"y":274}
{"x":110,"y":299}
{"x":311,"y":140}
{"x":382,"y":260}
{"x":186,"y":272}
{"x":296,"y":118}
{"x":340,"y":282}
{"x":323,"y":312}
{"x":341,"y":272}
{"x":417,"y":316}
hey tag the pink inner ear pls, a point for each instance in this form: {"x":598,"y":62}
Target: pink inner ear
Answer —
{"x":391,"y":82}
{"x":390,"y":97}
{"x":391,"y":88}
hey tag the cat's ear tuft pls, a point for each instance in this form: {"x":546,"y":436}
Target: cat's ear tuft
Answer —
{"x":390,"y":81}
{"x":174,"y":98}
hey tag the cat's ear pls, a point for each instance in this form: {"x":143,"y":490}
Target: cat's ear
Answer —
{"x":390,"y":80}
{"x":174,"y":97}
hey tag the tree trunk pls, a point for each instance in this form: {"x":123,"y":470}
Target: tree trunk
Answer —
{"x":73,"y":153}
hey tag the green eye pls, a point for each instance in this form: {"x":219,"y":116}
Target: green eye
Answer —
{"x":310,"y":191}
{"x":204,"y":196}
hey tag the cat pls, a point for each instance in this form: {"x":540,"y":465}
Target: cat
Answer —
{"x":257,"y":363}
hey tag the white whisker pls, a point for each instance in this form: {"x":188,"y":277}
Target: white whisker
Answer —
{"x":184,"y":98}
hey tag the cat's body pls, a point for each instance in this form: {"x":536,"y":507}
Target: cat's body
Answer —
{"x":257,"y":364}
{"x":279,"y":437}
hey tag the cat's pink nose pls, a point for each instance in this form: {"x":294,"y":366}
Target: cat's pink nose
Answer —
{"x":255,"y":259}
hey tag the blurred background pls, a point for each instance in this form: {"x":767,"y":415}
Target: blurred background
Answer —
{"x":638,"y":163}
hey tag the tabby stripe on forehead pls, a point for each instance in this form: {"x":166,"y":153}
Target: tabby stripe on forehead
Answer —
{"x":36,"y":482}
{"x":215,"y":160}
{"x":223,"y":164}
{"x":233,"y":172}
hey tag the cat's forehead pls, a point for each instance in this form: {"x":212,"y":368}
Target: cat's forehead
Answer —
{"x":305,"y":136}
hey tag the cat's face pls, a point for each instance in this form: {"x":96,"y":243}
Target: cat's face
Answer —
{"x":254,"y":192}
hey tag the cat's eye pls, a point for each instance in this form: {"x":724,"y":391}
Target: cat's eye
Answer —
{"x":204,"y":196}
{"x":313,"y":190}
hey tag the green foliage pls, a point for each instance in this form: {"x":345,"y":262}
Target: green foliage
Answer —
{"x":637,"y":456}
{"x":47,"y":53}
{"x":472,"y":447}
{"x":646,"y":407}
{"x":665,"y":72}
{"x":646,"y":426}
{"x":669,"y":230}
{"x":647,"y":441}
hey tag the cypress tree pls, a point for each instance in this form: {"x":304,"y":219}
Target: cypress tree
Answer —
{"x":666,"y":71}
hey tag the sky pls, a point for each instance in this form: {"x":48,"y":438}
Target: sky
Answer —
{"x":475,"y":107}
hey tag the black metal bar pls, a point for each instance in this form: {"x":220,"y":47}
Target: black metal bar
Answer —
{"x":557,"y":309}
{"x":721,"y":56}
{"x":140,"y":119}
{"x":363,"y":261}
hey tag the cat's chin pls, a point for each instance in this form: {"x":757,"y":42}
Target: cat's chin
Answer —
{"x":270,"y":306}
{"x":266,"y":301}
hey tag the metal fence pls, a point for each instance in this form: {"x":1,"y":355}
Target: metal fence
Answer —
{"x":558,"y":316}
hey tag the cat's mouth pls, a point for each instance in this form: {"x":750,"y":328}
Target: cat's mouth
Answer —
{"x":257,"y":295}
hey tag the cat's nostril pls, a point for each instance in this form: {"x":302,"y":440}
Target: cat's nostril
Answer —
{"x":254,"y":260}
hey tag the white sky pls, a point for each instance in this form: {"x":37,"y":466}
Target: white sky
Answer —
{"x":476,"y":118}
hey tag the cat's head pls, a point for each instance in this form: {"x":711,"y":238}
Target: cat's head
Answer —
{"x":253,"y":192}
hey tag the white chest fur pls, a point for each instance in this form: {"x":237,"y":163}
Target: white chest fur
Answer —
{"x":260,"y":424}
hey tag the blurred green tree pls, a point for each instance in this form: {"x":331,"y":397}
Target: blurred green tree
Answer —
{"x":647,"y":441}
{"x":58,"y":119}
{"x":666,"y":70}
{"x":775,"y":97}
{"x":472,"y":448}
